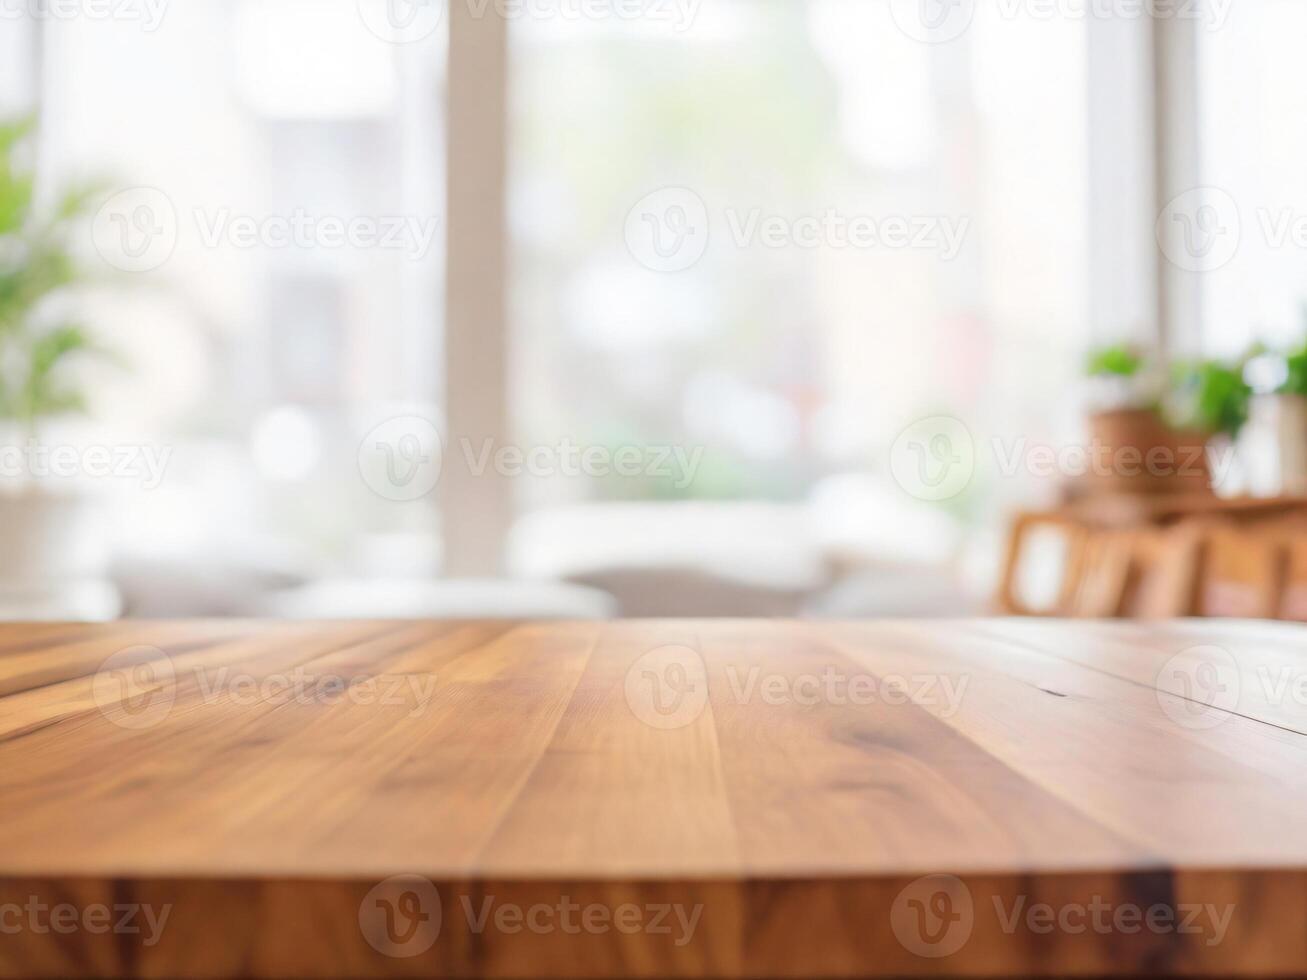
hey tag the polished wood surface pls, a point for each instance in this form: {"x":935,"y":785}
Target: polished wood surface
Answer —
{"x":674,"y":798}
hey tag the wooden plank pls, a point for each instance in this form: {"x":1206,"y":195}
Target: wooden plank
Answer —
{"x":725,"y":798}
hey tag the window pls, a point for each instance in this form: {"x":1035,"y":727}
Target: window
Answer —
{"x":1254,"y":161}
{"x":284,"y":200}
{"x":785,"y":230}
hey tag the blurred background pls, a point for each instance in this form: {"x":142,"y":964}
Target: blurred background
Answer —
{"x":631,"y":307}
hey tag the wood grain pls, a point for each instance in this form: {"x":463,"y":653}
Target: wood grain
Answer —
{"x":727,"y":798}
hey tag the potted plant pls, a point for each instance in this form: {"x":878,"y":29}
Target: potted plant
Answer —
{"x":1142,"y":451}
{"x":1212,"y":398}
{"x":46,"y":524}
{"x":1281,"y":417}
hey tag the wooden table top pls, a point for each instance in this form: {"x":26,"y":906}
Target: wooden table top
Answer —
{"x":653,"y":798}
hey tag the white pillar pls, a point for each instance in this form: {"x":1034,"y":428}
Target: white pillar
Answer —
{"x":476,"y":509}
{"x":1123,"y":205}
{"x":1175,"y":95}
{"x":20,"y":65}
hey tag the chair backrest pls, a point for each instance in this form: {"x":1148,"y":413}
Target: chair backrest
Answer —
{"x":1242,"y":572}
{"x":1098,"y":588}
{"x":1293,"y":593}
{"x":1163,"y":573}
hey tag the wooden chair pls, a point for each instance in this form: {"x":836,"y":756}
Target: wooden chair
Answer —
{"x":1293,"y":591}
{"x":1108,"y":573}
{"x":1162,"y":573}
{"x":1241,"y":571}
{"x":1194,"y":555}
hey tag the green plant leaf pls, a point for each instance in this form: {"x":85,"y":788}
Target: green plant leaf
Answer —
{"x":1116,"y":361}
{"x":1211,"y":396}
{"x":43,"y":391}
{"x":1295,"y":381}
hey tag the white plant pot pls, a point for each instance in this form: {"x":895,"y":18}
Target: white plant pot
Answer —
{"x":1291,"y":440}
{"x":51,"y":538}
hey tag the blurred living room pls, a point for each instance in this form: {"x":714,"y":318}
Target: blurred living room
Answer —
{"x":731,"y":309}
{"x":987,"y":318}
